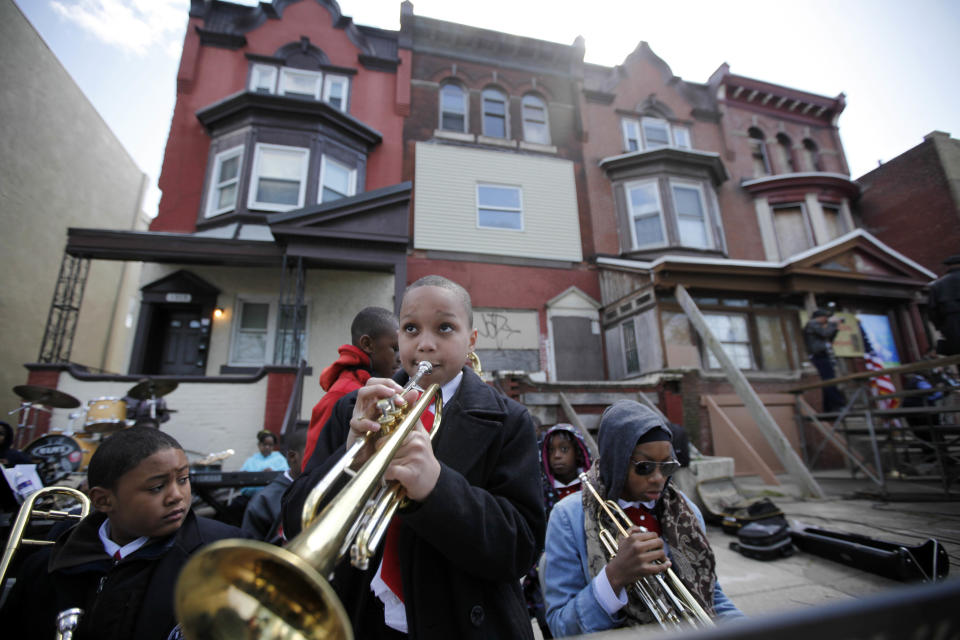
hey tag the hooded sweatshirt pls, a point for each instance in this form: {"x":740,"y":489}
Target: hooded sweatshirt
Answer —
{"x":349,"y":372}
{"x":551,"y":493}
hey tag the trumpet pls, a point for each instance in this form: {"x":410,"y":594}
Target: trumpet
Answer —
{"x":251,"y":589}
{"x":672,"y":606}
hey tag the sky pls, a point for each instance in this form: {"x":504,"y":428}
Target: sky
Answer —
{"x":896,"y":61}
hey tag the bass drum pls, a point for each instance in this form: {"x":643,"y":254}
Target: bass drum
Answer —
{"x":58,"y":455}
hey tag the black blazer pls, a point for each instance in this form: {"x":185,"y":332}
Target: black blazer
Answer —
{"x":464,"y":549}
{"x":135,"y":600}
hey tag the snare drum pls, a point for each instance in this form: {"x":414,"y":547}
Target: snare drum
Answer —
{"x":105,"y":414}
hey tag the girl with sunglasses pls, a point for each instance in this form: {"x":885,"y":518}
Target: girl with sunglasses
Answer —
{"x":586,"y":593}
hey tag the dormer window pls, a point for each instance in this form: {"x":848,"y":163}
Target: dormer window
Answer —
{"x":263,"y":79}
{"x":301,"y":83}
{"x":653,"y":133}
{"x":335,"y":91}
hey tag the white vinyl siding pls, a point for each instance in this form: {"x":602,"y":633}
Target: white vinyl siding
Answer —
{"x":445,"y":208}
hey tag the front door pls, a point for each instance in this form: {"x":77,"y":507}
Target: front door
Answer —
{"x":181,"y":332}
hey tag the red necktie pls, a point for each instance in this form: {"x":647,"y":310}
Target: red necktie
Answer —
{"x":116,"y":556}
{"x":643,"y":518}
{"x":390,"y":570}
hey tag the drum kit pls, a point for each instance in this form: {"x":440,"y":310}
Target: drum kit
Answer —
{"x":62,"y":452}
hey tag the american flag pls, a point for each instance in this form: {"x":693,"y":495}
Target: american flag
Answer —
{"x":880,"y":385}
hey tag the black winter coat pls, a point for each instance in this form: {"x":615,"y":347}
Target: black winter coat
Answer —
{"x":134,"y":599}
{"x":464,"y":549}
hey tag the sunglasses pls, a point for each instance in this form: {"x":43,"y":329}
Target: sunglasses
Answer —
{"x":646,"y":467}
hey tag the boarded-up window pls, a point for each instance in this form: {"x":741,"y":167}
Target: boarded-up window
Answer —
{"x":790,"y":226}
{"x":577,"y":349}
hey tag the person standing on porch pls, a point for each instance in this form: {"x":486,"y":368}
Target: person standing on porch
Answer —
{"x":818,"y":335}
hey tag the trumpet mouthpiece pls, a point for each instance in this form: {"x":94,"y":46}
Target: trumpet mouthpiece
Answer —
{"x":424,"y":368}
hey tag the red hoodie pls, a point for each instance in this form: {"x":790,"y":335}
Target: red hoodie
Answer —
{"x":350,"y":371}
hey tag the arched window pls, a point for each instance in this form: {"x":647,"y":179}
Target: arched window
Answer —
{"x":811,"y":155}
{"x":785,"y":149}
{"x":536,"y":128}
{"x":758,"y":151}
{"x":453,"y":108}
{"x":494,"y":113}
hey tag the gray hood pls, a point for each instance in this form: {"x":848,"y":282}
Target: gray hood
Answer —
{"x":622,"y":424}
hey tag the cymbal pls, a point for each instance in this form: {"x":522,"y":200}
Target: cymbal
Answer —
{"x":46,"y":396}
{"x":149,"y":388}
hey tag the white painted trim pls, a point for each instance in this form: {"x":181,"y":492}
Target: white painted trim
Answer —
{"x":625,"y":125}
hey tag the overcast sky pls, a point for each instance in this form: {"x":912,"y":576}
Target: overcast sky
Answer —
{"x":895,"y":60}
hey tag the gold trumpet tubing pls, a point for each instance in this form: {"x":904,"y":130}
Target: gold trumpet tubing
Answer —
{"x":16,"y":539}
{"x":324,"y":537}
{"x":697,"y":612}
{"x":390,"y":498}
{"x":390,"y":416}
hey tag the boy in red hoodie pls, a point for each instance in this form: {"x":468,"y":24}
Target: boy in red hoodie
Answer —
{"x":373,"y":351}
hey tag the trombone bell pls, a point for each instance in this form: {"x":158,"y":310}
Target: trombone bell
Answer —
{"x":246,"y":589}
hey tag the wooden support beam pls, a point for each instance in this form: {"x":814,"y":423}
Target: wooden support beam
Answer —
{"x":768,"y":427}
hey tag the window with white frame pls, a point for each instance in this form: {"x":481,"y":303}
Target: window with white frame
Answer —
{"x":690,"y":205}
{"x":792,"y":229}
{"x":453,"y":108}
{"x":535,"y":126}
{"x":251,"y":332}
{"x":263,"y":79}
{"x":335,"y":91}
{"x":279,"y":177}
{"x":336,"y":180}
{"x":646,"y":214}
{"x":224,"y":181}
{"x":681,"y":137}
{"x":499,"y":207}
{"x":494,"y":113}
{"x":260,"y":332}
{"x":631,"y":135}
{"x":656,"y":133}
{"x":732,"y":332}
{"x":300,"y":83}
{"x":653,"y":133}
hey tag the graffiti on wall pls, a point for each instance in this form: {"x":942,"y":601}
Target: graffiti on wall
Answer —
{"x":506,"y":329}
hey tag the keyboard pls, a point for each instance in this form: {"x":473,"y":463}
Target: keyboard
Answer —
{"x":218,"y":479}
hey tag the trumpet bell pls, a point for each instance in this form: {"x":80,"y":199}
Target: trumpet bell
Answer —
{"x":240,"y":589}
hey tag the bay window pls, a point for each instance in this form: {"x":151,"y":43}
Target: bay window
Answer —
{"x":279,"y":177}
